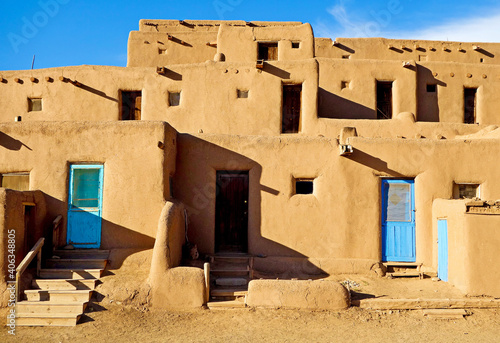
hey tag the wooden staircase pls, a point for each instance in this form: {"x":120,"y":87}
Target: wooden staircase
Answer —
{"x":59,"y":296}
{"x":229,"y":276}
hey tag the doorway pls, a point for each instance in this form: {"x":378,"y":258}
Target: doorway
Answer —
{"x":470,"y":100}
{"x":131,"y":103}
{"x":290,"y":120}
{"x":384,"y":99}
{"x":231,"y":212}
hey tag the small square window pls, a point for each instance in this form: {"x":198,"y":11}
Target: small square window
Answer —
{"x":295,"y":45}
{"x":267,"y":51}
{"x":431,"y":88}
{"x":174,"y":98}
{"x":34,"y":104}
{"x":344,"y":84}
{"x":242,"y":94}
{"x":346,"y":57}
{"x":162,"y":51}
{"x":304,"y":186}
{"x":422,"y":58}
{"x":481,"y":60}
{"x":465,"y":190}
{"x":15,"y":181}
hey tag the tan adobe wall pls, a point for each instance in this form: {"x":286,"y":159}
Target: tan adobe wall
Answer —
{"x":408,"y":49}
{"x":136,"y":170}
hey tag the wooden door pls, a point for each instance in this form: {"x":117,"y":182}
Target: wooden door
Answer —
{"x":398,"y":220}
{"x":290,"y":121}
{"x":85,"y":206}
{"x":231,"y":222}
{"x":384,"y":99}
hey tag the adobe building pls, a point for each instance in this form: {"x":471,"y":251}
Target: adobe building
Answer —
{"x":301,"y":156}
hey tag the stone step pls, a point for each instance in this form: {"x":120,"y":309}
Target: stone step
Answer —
{"x":419,"y":304}
{"x":58,"y":296}
{"x":47,"y":319}
{"x":230,"y":259}
{"x":231,"y":282}
{"x":24,"y":307}
{"x":63,"y":263}
{"x":82,"y":254}
{"x":64,"y":284}
{"x":445,"y":313}
{"x":229,"y":292}
{"x":217,"y":265}
{"x":226,"y":304}
{"x":76,"y":274}
{"x":406,"y":273}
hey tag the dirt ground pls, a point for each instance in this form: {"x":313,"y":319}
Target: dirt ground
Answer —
{"x":110,"y":322}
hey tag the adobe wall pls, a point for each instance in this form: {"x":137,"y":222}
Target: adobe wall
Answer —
{"x":136,"y":170}
{"x":473,"y":241}
{"x":341,"y":220}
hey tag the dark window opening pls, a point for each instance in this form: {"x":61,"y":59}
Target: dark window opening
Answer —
{"x":268,"y":51}
{"x":295,"y":45}
{"x":384,"y":99}
{"x":304,"y":186}
{"x":131,"y":105}
{"x":470,"y":99}
{"x":34,"y":104}
{"x":465,"y":190}
{"x":481,"y":60}
{"x":431,"y":88}
{"x":162,"y":51}
{"x":174,"y":98}
{"x":290,"y":121}
{"x":242,"y":94}
{"x":344,"y":84}
{"x":346,"y":57}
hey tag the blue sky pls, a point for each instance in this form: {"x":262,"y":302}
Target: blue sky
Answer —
{"x":75,"y":32}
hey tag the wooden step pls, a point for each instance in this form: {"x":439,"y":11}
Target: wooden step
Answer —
{"x":76,"y":274}
{"x":228,"y":292}
{"x":226,"y":304}
{"x":58,"y":296}
{"x":82,"y":254}
{"x":50,"y":307}
{"x":231,"y":282}
{"x":445,"y":313}
{"x":47,"y":319}
{"x":63,"y":263}
{"x":230,"y":272}
{"x":64,"y":284}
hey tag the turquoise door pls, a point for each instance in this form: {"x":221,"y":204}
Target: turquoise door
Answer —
{"x":85,"y":206}
{"x":398,"y":220}
{"x":443,"y":249}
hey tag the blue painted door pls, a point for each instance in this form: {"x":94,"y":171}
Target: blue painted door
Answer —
{"x":443,"y":249}
{"x":398,"y":220}
{"x":85,"y":206}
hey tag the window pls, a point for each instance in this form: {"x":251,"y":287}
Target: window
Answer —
{"x":34,"y":104}
{"x":346,"y":57}
{"x":16,"y":181}
{"x":290,"y":121}
{"x":130,"y":108}
{"x":304,"y":186}
{"x":384,"y":99}
{"x":465,"y":190}
{"x":470,"y":100}
{"x":174,"y":98}
{"x":295,"y":45}
{"x":268,"y":51}
{"x":242,"y":94}
{"x":162,"y":51}
{"x":344,"y":84}
{"x":431,"y":88}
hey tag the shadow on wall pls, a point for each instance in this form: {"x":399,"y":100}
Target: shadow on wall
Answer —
{"x":113,"y":236}
{"x":372,"y":162}
{"x":195,"y":186}
{"x":336,"y":107}
{"x":428,"y":91}
{"x":10,"y":143}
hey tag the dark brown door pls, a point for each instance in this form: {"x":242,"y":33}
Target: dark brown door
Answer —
{"x":290,"y":121}
{"x":231,"y":217}
{"x":470,"y":105}
{"x":384,"y":99}
{"x":131,"y":105}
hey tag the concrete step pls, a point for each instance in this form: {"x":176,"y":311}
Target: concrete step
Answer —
{"x":47,"y":319}
{"x":419,"y":304}
{"x":64,"y":263}
{"x":76,"y":274}
{"x":226,"y":304}
{"x":82,"y":254}
{"x":445,"y":313}
{"x":231,"y":282}
{"x":64,"y":284}
{"x":58,"y":296}
{"x":24,"y":307}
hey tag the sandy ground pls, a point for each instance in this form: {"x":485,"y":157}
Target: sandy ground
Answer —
{"x":110,"y":322}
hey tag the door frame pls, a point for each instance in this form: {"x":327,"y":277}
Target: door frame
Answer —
{"x":383,"y":213}
{"x":74,"y":166}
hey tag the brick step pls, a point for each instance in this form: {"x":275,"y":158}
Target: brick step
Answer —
{"x":24,"y":307}
{"x":76,"y":274}
{"x":82,"y":254}
{"x":63,"y":263}
{"x":224,"y":304}
{"x":58,"y":296}
{"x":47,"y":319}
{"x":64,"y":284}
